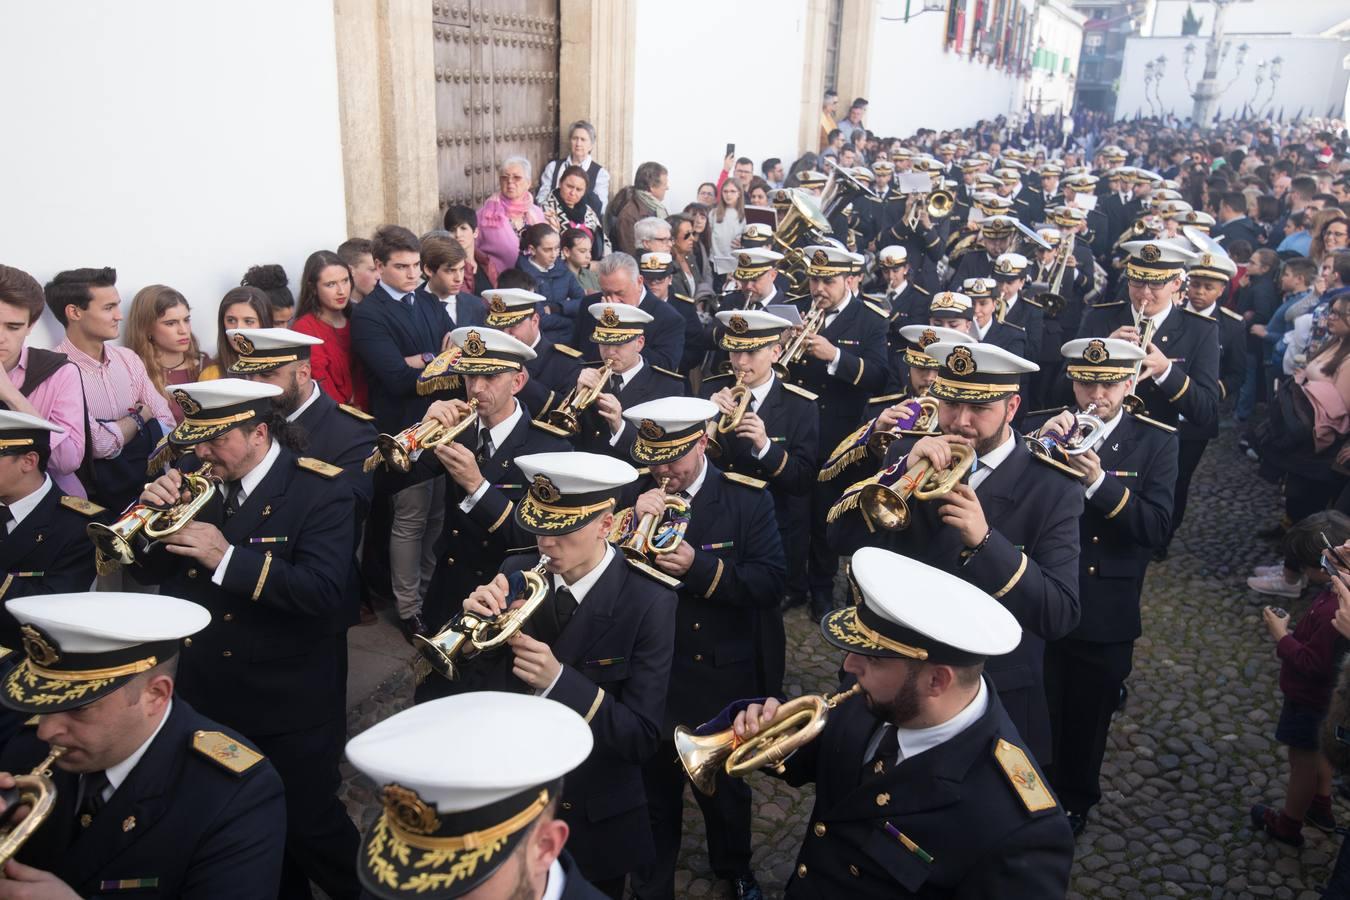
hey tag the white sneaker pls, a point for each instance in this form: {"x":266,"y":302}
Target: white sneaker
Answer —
{"x":1268,"y":570}
{"x":1276,"y":586}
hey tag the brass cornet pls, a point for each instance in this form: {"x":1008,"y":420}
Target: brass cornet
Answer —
{"x":38,"y":791}
{"x":795,"y":350}
{"x":651,"y":535}
{"x":564,"y":419}
{"x":729,"y":422}
{"x":797,"y":723}
{"x":469,"y":634}
{"x":1132,"y":402}
{"x":924,"y":421}
{"x":1087,"y":432}
{"x":938,"y":204}
{"x":396,"y":450}
{"x":135,"y":532}
{"x":885,"y":500}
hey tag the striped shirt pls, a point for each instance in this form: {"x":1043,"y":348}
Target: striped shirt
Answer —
{"x":113,"y":387}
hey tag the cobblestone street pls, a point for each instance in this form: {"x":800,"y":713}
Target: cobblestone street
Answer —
{"x":1190,"y":753}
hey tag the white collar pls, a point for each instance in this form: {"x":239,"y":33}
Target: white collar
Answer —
{"x":250,"y":481}
{"x":451,"y":305}
{"x":1209,"y":313}
{"x":1009,"y":303}
{"x":1159,"y":318}
{"x":503,"y":429}
{"x":1110,"y":427}
{"x":914,"y":741}
{"x":994,"y":458}
{"x":692,"y":490}
{"x":584,"y":164}
{"x":759,"y":393}
{"x":300,"y":410}
{"x":394,"y":292}
{"x":582,"y":586}
{"x":766,"y":300}
{"x":530,"y":260}
{"x":626,"y":377}
{"x":118,"y":773}
{"x":20,"y":508}
{"x":980,"y":331}
{"x":557,"y":882}
{"x":848,"y":298}
{"x":897,"y":291}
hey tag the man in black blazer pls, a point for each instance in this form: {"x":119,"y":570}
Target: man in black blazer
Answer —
{"x":1011,"y":530}
{"x":268,"y":555}
{"x":1059,"y":320}
{"x":1234,"y":224}
{"x":443,"y":264}
{"x":844,"y":364}
{"x":620,"y":282}
{"x":924,"y":787}
{"x":757,"y":271}
{"x":396,"y":332}
{"x":600,"y":644}
{"x":1127,"y":480}
{"x":905,"y":301}
{"x":777,"y":441}
{"x":151,"y":796}
{"x":730,"y":565}
{"x":554,"y":369}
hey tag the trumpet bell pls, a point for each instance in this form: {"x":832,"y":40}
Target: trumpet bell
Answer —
{"x":120,"y":541}
{"x":886,"y":506}
{"x":940,"y":204}
{"x":37,"y":790}
{"x":703,"y":756}
{"x":446,"y":648}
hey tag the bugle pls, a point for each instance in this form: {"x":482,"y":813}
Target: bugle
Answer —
{"x":1132,"y":402}
{"x":729,"y":422}
{"x":564,"y":419}
{"x":396,"y":450}
{"x":651,"y":535}
{"x":795,"y":349}
{"x":140,"y":526}
{"x":1085,"y":434}
{"x":922,"y":421}
{"x":796,"y":724}
{"x":885,"y":501}
{"x":37,"y":791}
{"x":468,"y":634}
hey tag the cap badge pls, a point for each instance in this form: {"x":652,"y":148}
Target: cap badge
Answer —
{"x":944,"y":300}
{"x":544,"y":490}
{"x":189,"y":406}
{"x":497,"y":304}
{"x":744,"y":260}
{"x":609,"y":318}
{"x":1096,"y":353}
{"x":37,"y":647}
{"x":960,"y":362}
{"x":1206,"y":259}
{"x":242,"y":344}
{"x":650,"y":431}
{"x":1005,"y":266}
{"x":738,"y":324}
{"x":1150,"y":253}
{"x":929,"y":336}
{"x":409,"y":810}
{"x":820,"y":258}
{"x":473,"y":344}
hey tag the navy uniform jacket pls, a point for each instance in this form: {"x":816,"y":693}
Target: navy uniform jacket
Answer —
{"x":1010,"y":337}
{"x":738,"y":570}
{"x":1232,"y":333}
{"x":47,"y":553}
{"x":859,"y":332}
{"x":665,"y":334}
{"x":956,"y":802}
{"x":1117,"y":215}
{"x":553,"y":372}
{"x":1031,"y":317}
{"x":1029,"y":564}
{"x":909,"y":308}
{"x":1123,"y":521}
{"x":924,"y":246}
{"x":1098,"y":235}
{"x":648,"y":383}
{"x":973,"y":263}
{"x":473,"y":544}
{"x":616,"y":655}
{"x":385,"y":331}
{"x":1028,"y":205}
{"x":181,"y":824}
{"x":272,"y":619}
{"x":1191,"y":341}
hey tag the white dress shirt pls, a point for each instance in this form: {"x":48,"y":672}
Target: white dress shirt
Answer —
{"x":914,"y":741}
{"x":118,"y":773}
{"x":498,"y":433}
{"x":1158,"y":320}
{"x":624,"y":378}
{"x":313,"y":395}
{"x":829,"y":320}
{"x":579,"y":589}
{"x":757,"y":395}
{"x":20,"y":508}
{"x":1106,"y":433}
{"x":247,"y":484}
{"x":404,"y":296}
{"x":987,"y":463}
{"x":557,"y":882}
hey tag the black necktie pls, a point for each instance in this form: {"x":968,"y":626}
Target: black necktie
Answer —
{"x":92,"y":785}
{"x":564,"y":605}
{"x":484,"y":445}
{"x":615,"y":384}
{"x":236,"y":498}
{"x":6,"y":516}
{"x":883,"y":760}
{"x":410,"y":299}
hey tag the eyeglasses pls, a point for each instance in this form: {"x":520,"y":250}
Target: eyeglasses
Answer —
{"x":510,"y":178}
{"x":1153,"y":287}
{"x":1339,"y":233}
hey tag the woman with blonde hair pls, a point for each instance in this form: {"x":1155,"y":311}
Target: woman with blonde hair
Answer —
{"x":159,"y":331}
{"x":1330,"y":232}
{"x":727,"y":222}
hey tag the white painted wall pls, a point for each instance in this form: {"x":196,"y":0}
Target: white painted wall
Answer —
{"x":1059,"y":29}
{"x":1251,"y":16}
{"x":705,"y":78}
{"x":178,"y":140}
{"x":1313,"y":77}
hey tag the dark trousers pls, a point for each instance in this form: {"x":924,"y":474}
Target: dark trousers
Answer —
{"x":1189,"y":453}
{"x":1305,"y":496}
{"x":1338,"y":886}
{"x":1082,"y":685}
{"x":822,"y":565}
{"x":726,"y":815}
{"x":321,"y":841}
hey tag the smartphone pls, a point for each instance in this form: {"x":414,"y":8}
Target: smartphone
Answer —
{"x":1333,"y":562}
{"x":1342,"y":735}
{"x":731,"y":148}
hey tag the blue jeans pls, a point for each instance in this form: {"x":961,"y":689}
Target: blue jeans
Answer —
{"x":1251,"y":386}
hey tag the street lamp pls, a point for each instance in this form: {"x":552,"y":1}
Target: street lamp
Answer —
{"x":1208,"y":90}
{"x":1159,"y":73}
{"x":1149,"y":68}
{"x":1188,"y":57}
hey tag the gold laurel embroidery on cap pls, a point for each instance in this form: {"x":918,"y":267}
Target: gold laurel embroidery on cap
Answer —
{"x":544,"y":489}
{"x":609,"y":318}
{"x":1150,"y":253}
{"x":944,"y":300}
{"x":242,"y":344}
{"x":189,"y":406}
{"x":497,"y":304}
{"x":1096,"y":352}
{"x":929,"y":336}
{"x":473,"y":344}
{"x":36,"y":647}
{"x":738,"y":324}
{"x":961,"y":362}
{"x":27,"y":687}
{"x":821,"y":258}
{"x":409,"y":810}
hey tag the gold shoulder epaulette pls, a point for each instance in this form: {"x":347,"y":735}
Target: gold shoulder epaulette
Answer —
{"x":225,"y":751}
{"x":874,"y":308}
{"x":1200,"y":315}
{"x":1026,"y":781}
{"x":757,"y":483}
{"x":1155,"y":423}
{"x":668,"y":372}
{"x":356,"y":413}
{"x":645,"y":470}
{"x":1108,"y":304}
{"x":32,"y":721}
{"x":318,"y":466}
{"x":82,"y":506}
{"x":922,"y":290}
{"x":800,"y":391}
{"x":887,"y":398}
{"x":1230,"y":314}
{"x":1015,"y":325}
{"x":684,"y":298}
{"x":1061,"y":468}
{"x":1030,"y":302}
{"x":567,"y":351}
{"x":654,"y":574}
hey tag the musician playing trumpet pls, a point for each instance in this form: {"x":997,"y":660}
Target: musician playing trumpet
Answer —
{"x":1128,"y":482}
{"x":1011,"y":530}
{"x":600,"y":644}
{"x":924,"y":787}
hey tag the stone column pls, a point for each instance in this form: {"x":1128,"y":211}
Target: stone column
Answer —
{"x":855,"y":51}
{"x":814,"y":32}
{"x":387,"y":108}
{"x":595,"y":80}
